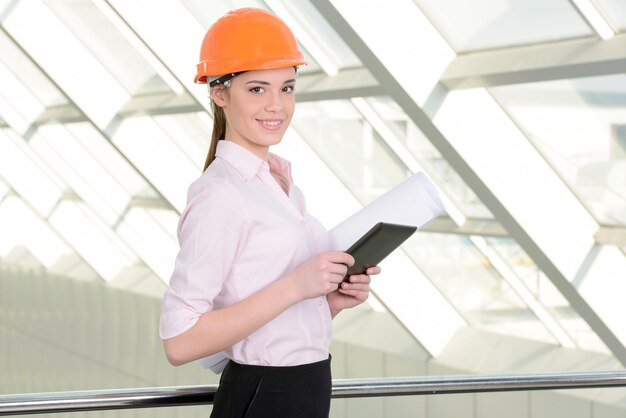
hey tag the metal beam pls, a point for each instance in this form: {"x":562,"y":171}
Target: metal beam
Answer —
{"x":479,"y":227}
{"x":346,"y":84}
{"x":340,"y":94}
{"x":395,"y":90}
{"x":542,"y":62}
{"x":65,"y":113}
{"x":611,"y":235}
{"x":167,"y":103}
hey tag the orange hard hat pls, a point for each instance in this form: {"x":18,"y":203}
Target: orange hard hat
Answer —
{"x":247,"y":39}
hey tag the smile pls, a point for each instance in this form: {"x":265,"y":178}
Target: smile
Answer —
{"x":271,"y":125}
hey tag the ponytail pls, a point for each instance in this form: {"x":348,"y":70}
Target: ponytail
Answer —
{"x":219,"y":132}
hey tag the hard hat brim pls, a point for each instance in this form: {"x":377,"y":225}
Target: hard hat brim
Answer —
{"x":206,"y":69}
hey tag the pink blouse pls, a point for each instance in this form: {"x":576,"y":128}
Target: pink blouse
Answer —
{"x":240,"y":232}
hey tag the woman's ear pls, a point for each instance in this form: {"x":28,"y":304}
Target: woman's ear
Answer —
{"x":218,"y":94}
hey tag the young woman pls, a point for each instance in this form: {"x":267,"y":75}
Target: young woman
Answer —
{"x":253,"y":277}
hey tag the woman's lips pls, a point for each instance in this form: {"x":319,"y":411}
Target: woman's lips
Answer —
{"x":270,"y":124}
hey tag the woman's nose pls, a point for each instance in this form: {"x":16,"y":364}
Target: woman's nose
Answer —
{"x":274,"y":102}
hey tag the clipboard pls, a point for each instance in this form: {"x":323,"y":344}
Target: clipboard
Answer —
{"x":376,"y":244}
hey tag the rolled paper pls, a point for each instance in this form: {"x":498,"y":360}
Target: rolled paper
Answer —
{"x":413,"y":202}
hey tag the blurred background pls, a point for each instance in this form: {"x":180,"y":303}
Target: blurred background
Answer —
{"x":515,"y":109}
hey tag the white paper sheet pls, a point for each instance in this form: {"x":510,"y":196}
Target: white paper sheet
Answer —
{"x":413,"y":202}
{"x":215,"y":362}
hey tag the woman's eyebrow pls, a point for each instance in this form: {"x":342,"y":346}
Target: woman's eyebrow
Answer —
{"x":266,"y":83}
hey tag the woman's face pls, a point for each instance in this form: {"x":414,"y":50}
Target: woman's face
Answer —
{"x":258,"y":107}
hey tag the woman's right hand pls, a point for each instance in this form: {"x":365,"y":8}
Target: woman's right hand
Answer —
{"x":321,"y":274}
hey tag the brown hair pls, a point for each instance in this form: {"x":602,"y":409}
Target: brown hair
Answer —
{"x":219,"y":132}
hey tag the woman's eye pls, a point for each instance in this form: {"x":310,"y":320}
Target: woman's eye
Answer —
{"x":256,"y":89}
{"x":289,"y":89}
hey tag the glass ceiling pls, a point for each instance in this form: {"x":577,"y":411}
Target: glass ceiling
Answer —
{"x":579,"y":125}
{"x":614,"y":11}
{"x":487,"y":24}
{"x":102,"y":130}
{"x":417,"y":145}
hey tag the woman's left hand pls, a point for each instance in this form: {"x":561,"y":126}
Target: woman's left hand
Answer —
{"x":352,"y":292}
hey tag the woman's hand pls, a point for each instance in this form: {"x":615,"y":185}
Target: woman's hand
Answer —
{"x":352,"y":292}
{"x":321,"y":274}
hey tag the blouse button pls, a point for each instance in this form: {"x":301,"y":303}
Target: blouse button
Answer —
{"x":319,"y":302}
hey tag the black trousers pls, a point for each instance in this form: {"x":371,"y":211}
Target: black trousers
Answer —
{"x":274,"y":392}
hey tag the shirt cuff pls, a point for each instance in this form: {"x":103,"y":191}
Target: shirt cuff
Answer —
{"x":176,"y":322}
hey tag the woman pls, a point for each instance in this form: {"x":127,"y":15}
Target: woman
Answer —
{"x":253,"y":277}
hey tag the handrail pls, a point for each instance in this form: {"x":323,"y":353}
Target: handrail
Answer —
{"x":37,"y":403}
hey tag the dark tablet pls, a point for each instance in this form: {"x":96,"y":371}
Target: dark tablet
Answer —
{"x":376,"y":244}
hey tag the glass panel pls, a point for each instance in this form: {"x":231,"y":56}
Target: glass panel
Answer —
{"x":167,"y":219}
{"x":106,"y":197}
{"x":547,"y":294}
{"x":526,"y":184}
{"x":79,"y":73}
{"x":416,"y":57}
{"x":154,"y":154}
{"x":11,"y":118}
{"x":604,"y":287}
{"x":95,"y":242}
{"x":111,"y":159}
{"x":30,"y":76}
{"x":429,"y":158}
{"x":319,"y":188}
{"x":483,"y":24}
{"x":151,"y":242}
{"x":317,"y":37}
{"x":208,"y":11}
{"x":30,"y":180}
{"x":83,"y":173}
{"x":350,"y":147}
{"x":614,"y":11}
{"x":20,"y":226}
{"x":191,"y":132}
{"x":108,"y":45}
{"x":18,"y":106}
{"x":4,"y":189}
{"x":415,"y":301}
{"x":518,"y":176}
{"x":580,"y":127}
{"x":470,"y":283}
{"x":178,"y":53}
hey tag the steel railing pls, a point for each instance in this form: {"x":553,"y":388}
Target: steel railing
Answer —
{"x":37,"y":403}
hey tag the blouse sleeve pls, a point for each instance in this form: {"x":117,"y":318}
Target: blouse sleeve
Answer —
{"x":209,"y":234}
